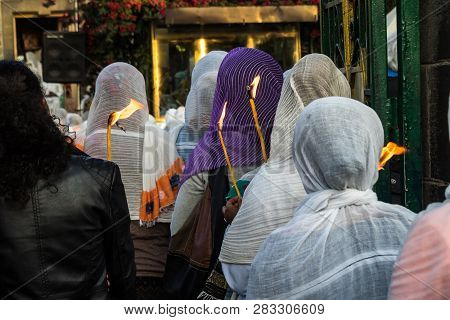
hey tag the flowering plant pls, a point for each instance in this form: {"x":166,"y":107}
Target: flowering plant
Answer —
{"x":119,"y":30}
{"x":228,"y":3}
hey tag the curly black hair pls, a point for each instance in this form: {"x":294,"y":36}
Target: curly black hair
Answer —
{"x":32,"y":147}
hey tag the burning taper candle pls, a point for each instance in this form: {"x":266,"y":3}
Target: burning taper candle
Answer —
{"x":251,"y":89}
{"x":227,"y":158}
{"x":388,"y":152}
{"x":126,"y":112}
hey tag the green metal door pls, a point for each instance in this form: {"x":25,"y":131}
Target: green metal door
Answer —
{"x":354,"y":35}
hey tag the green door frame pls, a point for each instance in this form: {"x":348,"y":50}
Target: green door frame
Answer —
{"x":401,"y":116}
{"x":408,"y":44}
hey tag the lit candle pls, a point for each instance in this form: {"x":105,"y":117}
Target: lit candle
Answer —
{"x":388,"y":152}
{"x":251,"y":89}
{"x":126,"y":112}
{"x":227,"y":158}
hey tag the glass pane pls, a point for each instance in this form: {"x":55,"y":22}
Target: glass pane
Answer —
{"x":180,"y":47}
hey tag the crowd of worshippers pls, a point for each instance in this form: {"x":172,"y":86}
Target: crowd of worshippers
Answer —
{"x":263,"y":192}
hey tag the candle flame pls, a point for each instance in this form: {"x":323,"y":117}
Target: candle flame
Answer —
{"x":390,"y":150}
{"x":253,"y":87}
{"x":222,"y":116}
{"x":224,"y":148}
{"x":126,"y":112}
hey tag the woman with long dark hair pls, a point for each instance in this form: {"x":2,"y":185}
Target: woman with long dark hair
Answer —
{"x":64,"y":221}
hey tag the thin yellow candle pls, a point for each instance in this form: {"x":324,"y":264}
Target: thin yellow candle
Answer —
{"x":252,"y":95}
{"x":227,"y":158}
{"x":108,"y":141}
{"x":126,"y":112}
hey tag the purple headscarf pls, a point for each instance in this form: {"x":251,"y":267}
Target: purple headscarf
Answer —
{"x":237,"y":71}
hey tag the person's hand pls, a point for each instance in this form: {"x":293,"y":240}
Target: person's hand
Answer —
{"x":231,"y":209}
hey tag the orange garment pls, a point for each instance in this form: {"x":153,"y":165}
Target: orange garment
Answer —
{"x":163,"y":195}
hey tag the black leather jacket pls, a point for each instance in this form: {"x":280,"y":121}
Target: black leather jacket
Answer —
{"x":71,"y":240}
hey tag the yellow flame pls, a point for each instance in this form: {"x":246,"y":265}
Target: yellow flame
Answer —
{"x":390,"y":150}
{"x":125,"y":113}
{"x":254,"y":86}
{"x":222,"y":116}
{"x":252,"y":94}
{"x":227,"y":158}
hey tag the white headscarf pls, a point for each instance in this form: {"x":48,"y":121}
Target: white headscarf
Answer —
{"x":210,"y":62}
{"x":276,"y":190}
{"x":116,"y":85}
{"x":203,"y":85}
{"x":342,"y":242}
{"x":172,"y":120}
{"x":199,"y":103}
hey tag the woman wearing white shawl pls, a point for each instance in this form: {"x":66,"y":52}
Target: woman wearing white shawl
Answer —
{"x":199,"y":102}
{"x":342,"y":242}
{"x":276,"y":190}
{"x":115,"y":86}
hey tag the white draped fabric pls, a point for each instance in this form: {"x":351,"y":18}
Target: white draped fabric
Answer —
{"x":115,"y":86}
{"x":341,"y":242}
{"x":159,"y":156}
{"x":199,"y":101}
{"x":276,"y":190}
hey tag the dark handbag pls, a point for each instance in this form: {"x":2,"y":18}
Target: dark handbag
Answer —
{"x":216,"y":286}
{"x":194,"y":250}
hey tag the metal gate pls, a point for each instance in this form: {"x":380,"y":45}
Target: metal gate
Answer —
{"x":354,"y":35}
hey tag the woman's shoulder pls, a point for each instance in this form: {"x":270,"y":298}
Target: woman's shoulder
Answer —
{"x":99,"y":170}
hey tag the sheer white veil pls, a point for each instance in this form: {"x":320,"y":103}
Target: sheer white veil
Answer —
{"x":115,"y":86}
{"x":276,"y":190}
{"x":341,"y":242}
